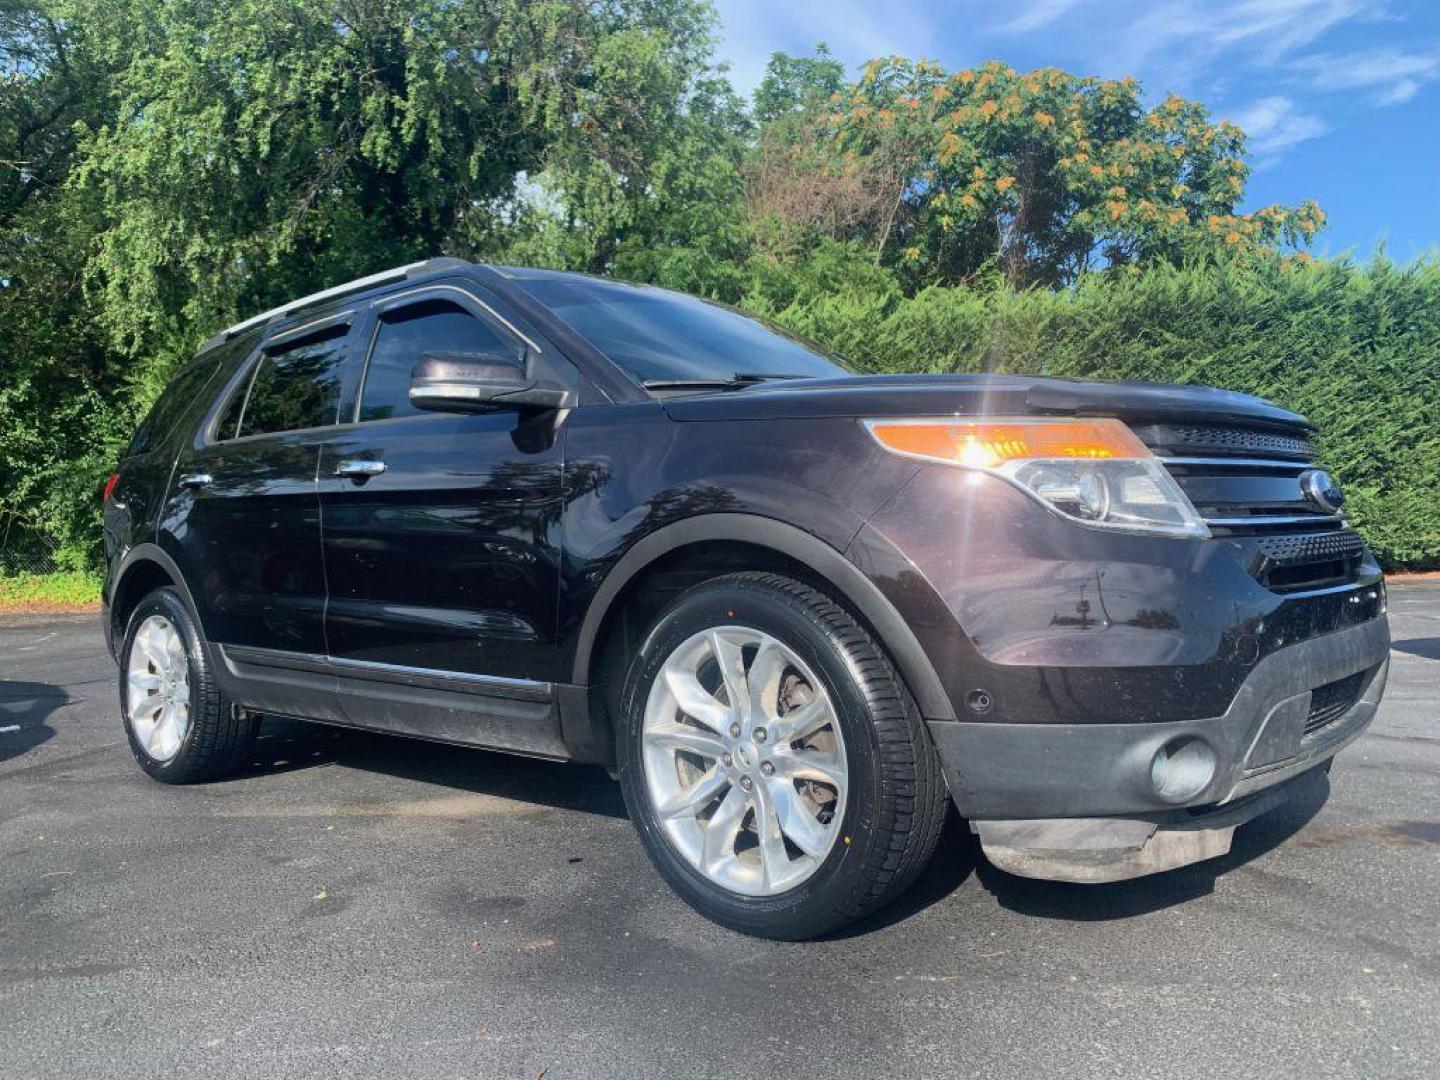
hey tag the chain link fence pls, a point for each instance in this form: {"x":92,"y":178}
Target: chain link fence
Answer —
{"x":25,"y":549}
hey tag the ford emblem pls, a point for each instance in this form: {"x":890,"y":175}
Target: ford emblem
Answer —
{"x":1321,"y":489}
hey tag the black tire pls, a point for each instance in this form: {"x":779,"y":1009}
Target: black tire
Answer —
{"x":218,"y":741}
{"x":897,"y":799}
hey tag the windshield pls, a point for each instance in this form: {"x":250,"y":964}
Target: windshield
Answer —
{"x":662,"y":336}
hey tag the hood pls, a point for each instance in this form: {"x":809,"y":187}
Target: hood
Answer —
{"x":978,"y":395}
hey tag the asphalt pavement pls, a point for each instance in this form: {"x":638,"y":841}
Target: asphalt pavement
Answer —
{"x":361,"y":905}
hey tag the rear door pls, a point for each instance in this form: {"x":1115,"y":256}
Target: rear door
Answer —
{"x":441,"y":538}
{"x":246,"y":514}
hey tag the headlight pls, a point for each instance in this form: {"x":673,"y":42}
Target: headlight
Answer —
{"x":1095,"y":472}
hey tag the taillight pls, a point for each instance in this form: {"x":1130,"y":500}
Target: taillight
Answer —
{"x":110,"y":486}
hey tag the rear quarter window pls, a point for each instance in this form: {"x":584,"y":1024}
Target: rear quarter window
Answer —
{"x":172,"y":403}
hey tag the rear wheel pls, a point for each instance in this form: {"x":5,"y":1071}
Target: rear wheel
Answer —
{"x":180,"y":727}
{"x":773,"y":761}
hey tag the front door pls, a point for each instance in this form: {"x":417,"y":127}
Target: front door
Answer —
{"x":441,"y":542}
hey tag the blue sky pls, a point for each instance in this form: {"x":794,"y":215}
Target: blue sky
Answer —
{"x":1340,"y":98}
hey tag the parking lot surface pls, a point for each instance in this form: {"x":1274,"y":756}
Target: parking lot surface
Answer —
{"x":361,"y":905}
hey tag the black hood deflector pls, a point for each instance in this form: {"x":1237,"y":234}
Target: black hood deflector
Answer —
{"x":978,"y":395}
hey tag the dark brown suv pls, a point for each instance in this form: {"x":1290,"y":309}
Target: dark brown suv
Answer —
{"x":796,"y":609}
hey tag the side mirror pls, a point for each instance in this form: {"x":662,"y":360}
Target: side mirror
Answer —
{"x":480,"y":382}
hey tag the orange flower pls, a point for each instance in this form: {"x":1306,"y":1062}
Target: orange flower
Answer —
{"x":988,"y":109}
{"x":1044,"y":119}
{"x":1005,"y":183}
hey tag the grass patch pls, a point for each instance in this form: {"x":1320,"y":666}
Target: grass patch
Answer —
{"x":71,"y":590}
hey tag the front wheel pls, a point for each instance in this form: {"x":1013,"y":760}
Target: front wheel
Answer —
{"x":773,"y":761}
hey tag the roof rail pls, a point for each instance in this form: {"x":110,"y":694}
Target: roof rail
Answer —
{"x":399,"y":273}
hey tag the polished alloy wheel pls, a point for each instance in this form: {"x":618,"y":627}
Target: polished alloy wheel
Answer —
{"x":744,"y":760}
{"x":158,"y":688}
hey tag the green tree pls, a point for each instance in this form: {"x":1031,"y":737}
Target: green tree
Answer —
{"x":169,"y":165}
{"x":1041,"y":175}
{"x":797,"y":84}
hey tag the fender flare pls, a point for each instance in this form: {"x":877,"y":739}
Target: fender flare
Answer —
{"x":828,"y":563}
{"x":154,"y":553}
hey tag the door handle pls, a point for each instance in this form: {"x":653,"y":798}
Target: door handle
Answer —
{"x":195,"y":481}
{"x":359,"y":470}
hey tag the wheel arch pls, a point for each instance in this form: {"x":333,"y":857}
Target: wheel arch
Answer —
{"x":788,"y":547}
{"x":144,"y":568}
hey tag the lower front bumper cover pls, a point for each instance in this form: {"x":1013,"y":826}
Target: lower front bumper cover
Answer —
{"x":1097,"y":850}
{"x":999,"y":771}
{"x":1079,"y":802}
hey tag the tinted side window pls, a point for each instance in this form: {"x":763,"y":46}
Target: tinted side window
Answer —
{"x":296,"y":385}
{"x":405,"y":335}
{"x":173,"y":401}
{"x":186,"y":385}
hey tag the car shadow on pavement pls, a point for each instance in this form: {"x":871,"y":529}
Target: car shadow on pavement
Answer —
{"x":24,"y":708}
{"x":1427,"y":648}
{"x":285,"y":745}
{"x":1140,"y":896}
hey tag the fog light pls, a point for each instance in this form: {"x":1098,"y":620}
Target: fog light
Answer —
{"x":1181,"y":769}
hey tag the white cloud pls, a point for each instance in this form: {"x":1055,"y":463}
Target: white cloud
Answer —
{"x":1274,"y":124}
{"x":1208,"y":47}
{"x":1038,"y":13}
{"x":1391,"y":75}
{"x":1183,"y":38}
{"x":1278,"y":27}
{"x":855,"y":30}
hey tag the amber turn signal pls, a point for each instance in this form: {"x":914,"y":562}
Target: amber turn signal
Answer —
{"x":988,"y":443}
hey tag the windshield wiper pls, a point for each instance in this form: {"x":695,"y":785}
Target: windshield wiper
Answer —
{"x":738,"y":381}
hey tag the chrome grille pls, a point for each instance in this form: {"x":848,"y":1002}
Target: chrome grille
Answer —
{"x":1241,"y":480}
{"x":1260,"y":496}
{"x":1245,"y":484}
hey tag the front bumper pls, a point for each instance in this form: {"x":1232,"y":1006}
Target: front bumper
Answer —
{"x":1034,"y":792}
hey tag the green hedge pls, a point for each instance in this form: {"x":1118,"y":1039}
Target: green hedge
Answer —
{"x":1354,"y":348}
